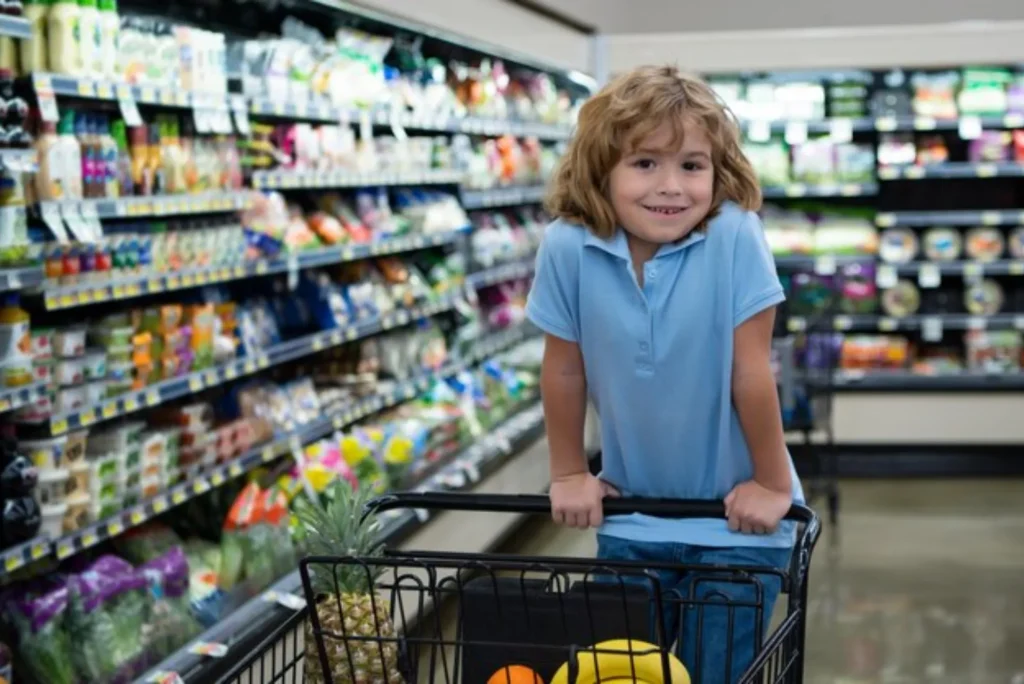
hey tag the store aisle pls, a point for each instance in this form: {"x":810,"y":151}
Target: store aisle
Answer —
{"x":923,"y":583}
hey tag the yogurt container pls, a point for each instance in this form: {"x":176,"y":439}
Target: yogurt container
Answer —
{"x":69,"y":342}
{"x":78,"y":514}
{"x":53,"y":520}
{"x":114,"y":336}
{"x":38,"y":411}
{"x":69,"y":372}
{"x":44,"y":371}
{"x":74,"y":452}
{"x":42,"y":343}
{"x":96,"y":391}
{"x":94,"y":365}
{"x":70,"y":399}
{"x":45,"y":454}
{"x":52,"y":487}
{"x":78,"y":483}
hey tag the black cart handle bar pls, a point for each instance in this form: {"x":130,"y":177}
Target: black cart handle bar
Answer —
{"x":540,"y":504}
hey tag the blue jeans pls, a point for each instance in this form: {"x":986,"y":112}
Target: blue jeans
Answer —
{"x":717,"y":659}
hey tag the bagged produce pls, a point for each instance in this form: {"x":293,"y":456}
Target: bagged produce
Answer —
{"x":43,"y":643}
{"x":170,"y":622}
{"x":233,"y":541}
{"x":106,"y":617}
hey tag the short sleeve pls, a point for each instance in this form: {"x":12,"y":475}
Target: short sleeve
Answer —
{"x":553,"y":301}
{"x":756,"y":284}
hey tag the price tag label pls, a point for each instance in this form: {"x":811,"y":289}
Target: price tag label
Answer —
{"x":796,"y":132}
{"x":72,"y":215}
{"x":973,"y":273}
{"x":885,"y":277}
{"x":887,"y":324}
{"x":59,"y":426}
{"x":89,"y":539}
{"x":931,"y":329}
{"x":970,"y":127}
{"x":195,"y":383}
{"x":235,"y":470}
{"x":161,"y":677}
{"x":12,"y":563}
{"x":976,"y":323}
{"x":152,"y":397}
{"x":160,"y":504}
{"x":114,"y":529}
{"x":841,"y":130}
{"x":289,"y":601}
{"x":759,"y":130}
{"x":137,"y":517}
{"x":109,"y":410}
{"x":825,"y":265}
{"x":129,"y":108}
{"x":929,"y":276}
{"x":52,"y":218}
{"x":208,"y":649}
{"x":179,"y":497}
{"x":991,"y":218}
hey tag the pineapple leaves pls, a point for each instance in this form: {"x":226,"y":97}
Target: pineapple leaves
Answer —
{"x":342,"y":528}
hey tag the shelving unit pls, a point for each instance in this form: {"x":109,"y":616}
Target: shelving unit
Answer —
{"x":945,"y":360}
{"x":168,"y":251}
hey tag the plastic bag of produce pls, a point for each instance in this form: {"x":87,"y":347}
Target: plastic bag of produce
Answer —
{"x":45,"y":648}
{"x":170,"y":623}
{"x":106,"y":618}
{"x":143,"y":544}
{"x":280,"y":546}
{"x":257,"y":542}
{"x":233,"y":541}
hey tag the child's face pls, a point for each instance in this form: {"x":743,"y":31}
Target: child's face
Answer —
{"x":660,"y":192}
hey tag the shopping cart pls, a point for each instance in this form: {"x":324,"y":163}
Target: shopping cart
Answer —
{"x":558,"y":617}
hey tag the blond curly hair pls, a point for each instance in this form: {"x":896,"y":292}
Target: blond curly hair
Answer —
{"x":622,"y":114}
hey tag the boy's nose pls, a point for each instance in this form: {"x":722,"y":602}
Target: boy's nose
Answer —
{"x":671,"y":184}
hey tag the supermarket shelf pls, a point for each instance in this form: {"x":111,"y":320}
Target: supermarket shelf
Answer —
{"x":177,"y":388}
{"x":498,"y":197}
{"x":887,"y":124}
{"x":289,"y":442}
{"x":999,"y":217}
{"x":57,"y":298}
{"x":916,"y":322}
{"x":316,"y":109}
{"x":16,"y":397}
{"x":953,"y":170}
{"x":171,"y":205}
{"x":906,"y":381}
{"x":265,"y":615}
{"x":500,"y":274}
{"x":975,"y":269}
{"x":15,"y":27}
{"x":832,"y":190}
{"x":20,"y":278}
{"x":825,"y":264}
{"x":297,"y":180}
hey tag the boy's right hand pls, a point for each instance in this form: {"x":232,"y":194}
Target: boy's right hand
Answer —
{"x":577,"y":500}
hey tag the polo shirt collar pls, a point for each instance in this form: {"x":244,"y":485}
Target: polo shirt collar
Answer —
{"x":618,"y":247}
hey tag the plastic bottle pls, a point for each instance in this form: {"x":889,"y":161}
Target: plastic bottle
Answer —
{"x":15,"y":343}
{"x":89,"y":39}
{"x":110,"y":34}
{"x":154,"y":160}
{"x":141,"y":181}
{"x":65,"y":54}
{"x":109,"y":160}
{"x":123,"y":171}
{"x":33,"y":51}
{"x":87,"y":155}
{"x":50,"y":176}
{"x":70,"y":157}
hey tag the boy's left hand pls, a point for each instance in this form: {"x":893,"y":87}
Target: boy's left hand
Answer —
{"x":754,"y":509}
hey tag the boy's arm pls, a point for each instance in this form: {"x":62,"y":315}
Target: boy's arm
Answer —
{"x":563,"y":387}
{"x":758,"y":506}
{"x":576,"y":494}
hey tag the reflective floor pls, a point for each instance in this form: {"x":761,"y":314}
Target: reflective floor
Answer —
{"x":922,"y":582}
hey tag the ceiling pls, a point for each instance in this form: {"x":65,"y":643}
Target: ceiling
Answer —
{"x":675,"y":16}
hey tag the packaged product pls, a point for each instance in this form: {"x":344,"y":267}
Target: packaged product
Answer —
{"x":170,"y":621}
{"x":106,"y":618}
{"x":43,"y":641}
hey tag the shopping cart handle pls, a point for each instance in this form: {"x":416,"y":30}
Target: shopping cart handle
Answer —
{"x":540,"y":504}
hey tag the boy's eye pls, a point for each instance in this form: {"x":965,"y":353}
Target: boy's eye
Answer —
{"x":692,"y":166}
{"x":643,"y":164}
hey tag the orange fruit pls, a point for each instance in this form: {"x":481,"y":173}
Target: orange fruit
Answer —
{"x":515,"y":674}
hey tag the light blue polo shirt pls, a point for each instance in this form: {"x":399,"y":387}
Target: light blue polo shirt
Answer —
{"x":658,"y":361}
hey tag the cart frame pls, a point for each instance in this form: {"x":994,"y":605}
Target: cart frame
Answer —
{"x":506,"y":603}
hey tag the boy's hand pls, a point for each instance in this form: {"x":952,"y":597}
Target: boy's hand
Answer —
{"x":576,"y":500}
{"x":754,"y":509}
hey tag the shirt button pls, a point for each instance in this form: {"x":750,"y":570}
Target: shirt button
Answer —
{"x":643,"y":346}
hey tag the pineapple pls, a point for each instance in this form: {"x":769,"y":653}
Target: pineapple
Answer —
{"x":339,"y":529}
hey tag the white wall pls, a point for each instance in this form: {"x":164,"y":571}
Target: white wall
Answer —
{"x":498,"y":22}
{"x":883,"y":46}
{"x":637,"y":16}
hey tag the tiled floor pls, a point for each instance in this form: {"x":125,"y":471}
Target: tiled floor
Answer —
{"x":924,"y":582}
